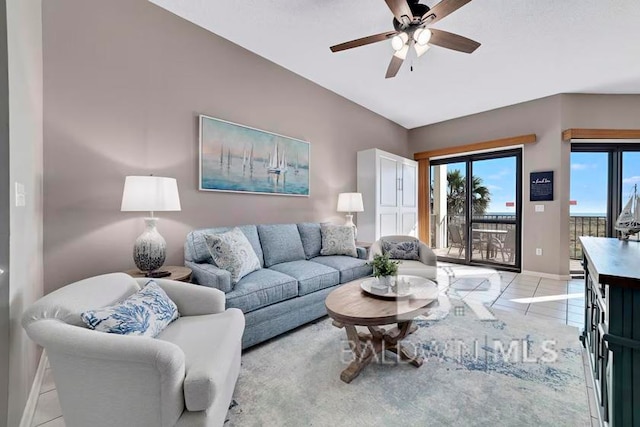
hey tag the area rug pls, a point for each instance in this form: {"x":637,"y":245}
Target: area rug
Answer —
{"x":512,"y":371}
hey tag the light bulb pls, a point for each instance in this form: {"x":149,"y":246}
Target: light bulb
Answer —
{"x":421,"y":49}
{"x":398,"y":41}
{"x":422,"y":36}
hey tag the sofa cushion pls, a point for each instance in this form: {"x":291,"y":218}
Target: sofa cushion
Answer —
{"x":311,"y":276}
{"x":349,"y":268}
{"x":311,"y":238}
{"x":196,"y":250}
{"x":210,"y":344}
{"x":338,"y":240}
{"x":280,"y":243}
{"x":145,"y":313}
{"x":260,"y":289}
{"x":232,"y":251}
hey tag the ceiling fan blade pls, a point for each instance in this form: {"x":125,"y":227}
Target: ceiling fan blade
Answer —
{"x":444,"y":8}
{"x":363,"y":41}
{"x":396,"y":62}
{"x":452,"y":41}
{"x":400,"y":8}
{"x":394,"y":67}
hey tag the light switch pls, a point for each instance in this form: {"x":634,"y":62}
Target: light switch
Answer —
{"x":539,"y":208}
{"x":20,"y":196}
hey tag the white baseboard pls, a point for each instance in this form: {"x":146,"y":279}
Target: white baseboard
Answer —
{"x":546,"y":275}
{"x":32,"y":401}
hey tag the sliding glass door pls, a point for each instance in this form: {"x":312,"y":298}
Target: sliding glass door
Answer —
{"x":475,"y":205}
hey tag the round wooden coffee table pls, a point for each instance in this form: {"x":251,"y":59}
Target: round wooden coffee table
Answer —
{"x":349,"y":307}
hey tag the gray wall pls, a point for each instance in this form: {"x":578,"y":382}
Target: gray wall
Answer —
{"x":547,"y":118}
{"x":124,"y":83}
{"x":601,"y":111}
{"x":4,"y":217}
{"x":25,"y":129}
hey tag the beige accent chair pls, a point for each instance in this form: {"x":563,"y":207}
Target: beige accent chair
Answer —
{"x":425,"y":267}
{"x":185,"y":377}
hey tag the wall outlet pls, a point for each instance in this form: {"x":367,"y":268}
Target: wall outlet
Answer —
{"x":538,"y":251}
{"x":539,"y":208}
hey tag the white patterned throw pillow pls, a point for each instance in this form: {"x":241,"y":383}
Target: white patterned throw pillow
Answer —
{"x":145,"y":313}
{"x":232,"y":251}
{"x":338,"y":240}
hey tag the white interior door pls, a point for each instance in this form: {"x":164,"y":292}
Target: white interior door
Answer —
{"x":388,"y":224}
{"x":389,"y":183}
{"x":409,"y":224}
{"x":409,"y":186}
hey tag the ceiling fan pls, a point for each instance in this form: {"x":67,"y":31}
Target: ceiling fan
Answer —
{"x":410,"y":22}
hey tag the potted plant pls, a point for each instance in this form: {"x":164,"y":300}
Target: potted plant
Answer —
{"x":384,"y":268}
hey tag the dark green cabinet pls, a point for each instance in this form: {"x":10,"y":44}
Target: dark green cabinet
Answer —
{"x":612,"y":327}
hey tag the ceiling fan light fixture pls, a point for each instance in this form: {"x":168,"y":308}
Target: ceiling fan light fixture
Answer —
{"x":421,"y":49}
{"x":398,"y":41}
{"x":402,"y":53}
{"x":422,"y":36}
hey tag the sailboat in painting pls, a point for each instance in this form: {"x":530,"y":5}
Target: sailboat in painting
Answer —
{"x":244,"y":159}
{"x":251,"y":159}
{"x":278,"y":162}
{"x":628,"y":222}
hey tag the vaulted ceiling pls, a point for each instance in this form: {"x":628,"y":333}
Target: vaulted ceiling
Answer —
{"x":530,"y":49}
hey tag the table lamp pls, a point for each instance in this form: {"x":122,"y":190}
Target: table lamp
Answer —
{"x":350,"y":202}
{"x":153,"y":194}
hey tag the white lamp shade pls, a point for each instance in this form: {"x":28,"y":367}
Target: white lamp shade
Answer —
{"x":350,"y":202}
{"x":421,"y":49}
{"x":150,"y":193}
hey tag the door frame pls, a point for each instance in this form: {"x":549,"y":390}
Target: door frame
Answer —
{"x":5,"y":208}
{"x":468,"y":159}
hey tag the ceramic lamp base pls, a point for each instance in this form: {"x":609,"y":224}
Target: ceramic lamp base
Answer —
{"x":150,"y":248}
{"x":350,"y":223}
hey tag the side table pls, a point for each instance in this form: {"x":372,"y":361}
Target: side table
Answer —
{"x":181,"y":274}
{"x":366,"y":245}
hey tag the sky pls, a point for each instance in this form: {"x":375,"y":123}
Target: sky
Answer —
{"x":588,"y":180}
{"x":499,"y":176}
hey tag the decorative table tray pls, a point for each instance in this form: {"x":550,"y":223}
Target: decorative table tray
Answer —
{"x":404,"y":287}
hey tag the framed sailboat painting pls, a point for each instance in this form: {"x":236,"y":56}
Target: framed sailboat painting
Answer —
{"x":237,"y":158}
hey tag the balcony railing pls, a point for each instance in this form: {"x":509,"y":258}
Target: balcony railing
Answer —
{"x":595,"y":226}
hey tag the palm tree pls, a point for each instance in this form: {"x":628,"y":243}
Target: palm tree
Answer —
{"x":456,"y":196}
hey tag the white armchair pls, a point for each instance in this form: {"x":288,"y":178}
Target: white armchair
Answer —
{"x":185,"y":377}
{"x":425,"y":267}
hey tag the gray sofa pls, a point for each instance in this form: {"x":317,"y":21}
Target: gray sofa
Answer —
{"x":290,"y":288}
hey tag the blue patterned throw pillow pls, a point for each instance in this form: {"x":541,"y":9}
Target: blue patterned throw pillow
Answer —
{"x":145,"y":313}
{"x":407,"y":250}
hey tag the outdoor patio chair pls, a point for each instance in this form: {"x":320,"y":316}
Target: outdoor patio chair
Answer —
{"x":506,"y":246}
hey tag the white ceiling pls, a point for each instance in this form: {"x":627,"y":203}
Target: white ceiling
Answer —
{"x":530,"y":49}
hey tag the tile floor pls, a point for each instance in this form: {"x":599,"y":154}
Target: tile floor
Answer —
{"x":556,"y":301}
